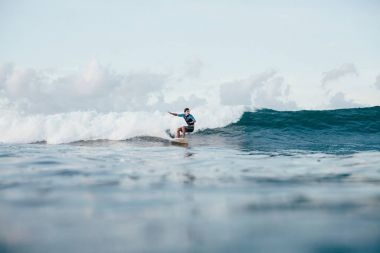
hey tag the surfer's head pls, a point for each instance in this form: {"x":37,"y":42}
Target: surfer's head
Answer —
{"x":186,"y":111}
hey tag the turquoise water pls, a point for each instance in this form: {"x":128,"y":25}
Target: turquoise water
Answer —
{"x":333,"y":131}
{"x":272,"y":182}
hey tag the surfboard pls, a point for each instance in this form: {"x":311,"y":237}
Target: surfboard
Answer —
{"x":182,"y":141}
{"x":176,"y":141}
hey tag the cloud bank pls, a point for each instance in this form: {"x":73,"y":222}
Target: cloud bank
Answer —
{"x":265,"y":90}
{"x":335,"y":74}
{"x":339,"y":100}
{"x":98,"y":88}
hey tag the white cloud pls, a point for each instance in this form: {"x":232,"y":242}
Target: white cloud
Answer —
{"x":339,"y":100}
{"x":236,"y":93}
{"x":335,"y":74}
{"x":17,"y":82}
{"x":239,"y":92}
{"x":94,"y":88}
{"x":377,"y":82}
{"x":5,"y":70}
{"x":97,"y":87}
{"x":263,"y":90}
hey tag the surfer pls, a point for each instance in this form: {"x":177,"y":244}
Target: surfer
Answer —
{"x":190,"y":120}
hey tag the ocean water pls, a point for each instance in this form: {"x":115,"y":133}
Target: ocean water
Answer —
{"x":270,"y":181}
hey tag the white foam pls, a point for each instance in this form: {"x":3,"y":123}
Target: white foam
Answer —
{"x":16,"y":127}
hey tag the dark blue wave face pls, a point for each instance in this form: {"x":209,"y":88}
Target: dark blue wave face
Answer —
{"x":329,"y":131}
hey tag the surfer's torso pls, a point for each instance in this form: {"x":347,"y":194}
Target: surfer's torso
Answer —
{"x":190,"y":120}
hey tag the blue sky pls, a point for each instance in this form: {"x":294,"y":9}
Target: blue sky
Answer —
{"x":231,"y":40}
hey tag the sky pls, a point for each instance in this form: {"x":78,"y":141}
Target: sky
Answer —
{"x":275,"y":54}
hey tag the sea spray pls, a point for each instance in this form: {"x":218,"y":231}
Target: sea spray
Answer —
{"x":16,"y":127}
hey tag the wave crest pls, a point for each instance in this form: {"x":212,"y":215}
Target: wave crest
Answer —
{"x":344,"y":120}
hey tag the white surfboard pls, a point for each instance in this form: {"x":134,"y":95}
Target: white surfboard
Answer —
{"x":180,"y":141}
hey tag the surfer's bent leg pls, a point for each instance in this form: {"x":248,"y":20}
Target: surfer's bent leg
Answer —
{"x":178,"y":131}
{"x":184,"y":131}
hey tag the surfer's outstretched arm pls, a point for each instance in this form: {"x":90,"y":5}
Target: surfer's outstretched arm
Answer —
{"x":174,"y":114}
{"x":177,"y":114}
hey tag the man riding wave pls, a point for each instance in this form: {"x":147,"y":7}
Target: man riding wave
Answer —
{"x":190,"y":120}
